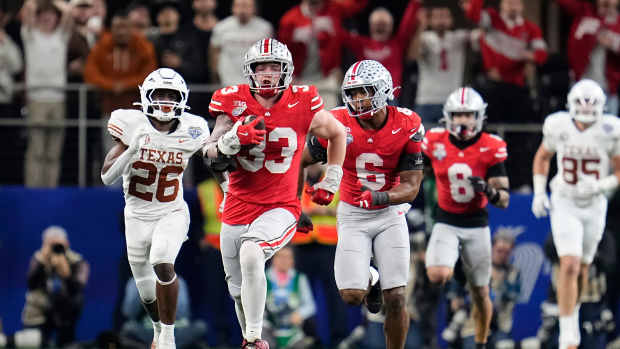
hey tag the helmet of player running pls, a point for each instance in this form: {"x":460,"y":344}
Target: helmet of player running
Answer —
{"x":464,"y":100}
{"x":586,"y":101}
{"x":268,"y":82}
{"x":375,"y":83}
{"x":164,"y":109}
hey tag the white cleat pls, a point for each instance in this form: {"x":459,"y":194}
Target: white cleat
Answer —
{"x":166,"y":342}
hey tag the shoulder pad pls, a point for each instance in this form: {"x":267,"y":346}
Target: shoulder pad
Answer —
{"x":123,"y":122}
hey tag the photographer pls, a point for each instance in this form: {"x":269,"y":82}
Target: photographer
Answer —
{"x":56,"y":280}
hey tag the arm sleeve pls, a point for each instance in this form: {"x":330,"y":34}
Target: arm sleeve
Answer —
{"x":408,"y":22}
{"x":307,"y":308}
{"x":537,"y":43}
{"x":317,"y":149}
{"x":497,"y":170}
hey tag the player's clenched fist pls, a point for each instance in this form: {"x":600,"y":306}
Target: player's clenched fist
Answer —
{"x":372,"y":198}
{"x":241,"y":134}
{"x":323,"y":192}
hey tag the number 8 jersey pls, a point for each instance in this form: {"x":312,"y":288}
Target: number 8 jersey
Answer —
{"x":453,"y":161}
{"x":580,"y":153}
{"x":153,"y":179}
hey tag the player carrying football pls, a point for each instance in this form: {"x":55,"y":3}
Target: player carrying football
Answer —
{"x":587,"y":142}
{"x":153,"y":147}
{"x":382,"y":174}
{"x":469,"y":171}
{"x":261,"y":211}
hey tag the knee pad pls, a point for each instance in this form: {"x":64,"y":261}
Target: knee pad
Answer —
{"x":234,"y":291}
{"x":145,"y":281}
{"x":251,"y":257}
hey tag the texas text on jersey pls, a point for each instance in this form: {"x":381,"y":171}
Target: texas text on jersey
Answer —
{"x":270,"y":163}
{"x":453,"y":162}
{"x":152,"y":182}
{"x":374,"y":157}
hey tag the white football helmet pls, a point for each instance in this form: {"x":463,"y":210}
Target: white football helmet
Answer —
{"x":586,"y":101}
{"x":463,"y":100}
{"x":376,"y":82}
{"x":163,"y":79}
{"x":263,"y":51}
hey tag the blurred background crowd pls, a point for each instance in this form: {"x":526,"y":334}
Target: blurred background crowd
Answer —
{"x":65,"y":65}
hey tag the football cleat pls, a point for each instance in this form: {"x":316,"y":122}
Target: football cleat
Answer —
{"x":258,"y":344}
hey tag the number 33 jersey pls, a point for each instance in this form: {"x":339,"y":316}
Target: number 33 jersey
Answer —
{"x":580,"y":153}
{"x":453,"y":165}
{"x":153,"y":180}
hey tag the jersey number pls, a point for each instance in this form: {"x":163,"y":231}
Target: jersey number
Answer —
{"x":370,"y":179}
{"x":461,"y":189}
{"x":256,"y":158}
{"x":150,"y":178}
{"x":570,"y":168}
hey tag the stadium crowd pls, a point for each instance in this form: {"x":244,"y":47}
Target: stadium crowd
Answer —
{"x":431,"y":47}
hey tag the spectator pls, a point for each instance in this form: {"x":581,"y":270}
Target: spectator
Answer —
{"x":117,"y":64}
{"x":139,"y":14}
{"x":509,"y":44}
{"x":505,"y":286}
{"x":82,"y":39}
{"x":290,"y":308}
{"x":594,"y":44}
{"x":231,"y":38}
{"x":56,"y":280}
{"x":187,"y":332}
{"x":312,"y":31}
{"x":176,"y":48}
{"x":389,"y":50}
{"x":440,"y":52}
{"x":10,"y":64}
{"x":203,"y":23}
{"x":45,"y":33}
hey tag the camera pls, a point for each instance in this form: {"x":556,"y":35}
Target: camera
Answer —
{"x":58,"y":248}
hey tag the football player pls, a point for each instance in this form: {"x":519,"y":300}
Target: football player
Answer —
{"x":469,"y":170}
{"x":261,"y":211}
{"x":382,"y":174}
{"x":153,"y":147}
{"x":587,"y":143}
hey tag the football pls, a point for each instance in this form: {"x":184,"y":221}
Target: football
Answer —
{"x":259,"y":126}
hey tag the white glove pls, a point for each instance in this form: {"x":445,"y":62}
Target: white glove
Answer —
{"x":540,"y":205}
{"x":587,"y":187}
{"x":331,"y":181}
{"x":228,"y":143}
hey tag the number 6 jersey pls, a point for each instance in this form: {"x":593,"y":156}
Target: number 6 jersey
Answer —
{"x":453,"y":161}
{"x":153,"y":180}
{"x":580,"y":153}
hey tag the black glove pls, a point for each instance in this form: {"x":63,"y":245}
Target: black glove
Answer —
{"x":304,"y":225}
{"x":221,"y":163}
{"x":479,"y":184}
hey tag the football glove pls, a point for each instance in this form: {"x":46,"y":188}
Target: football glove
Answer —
{"x":230,"y":142}
{"x":540,"y":205}
{"x":372,"y":198}
{"x":304,"y":225}
{"x":323,"y":192}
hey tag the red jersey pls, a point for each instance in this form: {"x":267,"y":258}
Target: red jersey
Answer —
{"x":373,"y":155}
{"x":504,"y":43}
{"x":587,"y":25}
{"x":267,"y":174}
{"x":453,"y":165}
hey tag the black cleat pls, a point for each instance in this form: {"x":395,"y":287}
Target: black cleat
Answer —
{"x":374,"y":298}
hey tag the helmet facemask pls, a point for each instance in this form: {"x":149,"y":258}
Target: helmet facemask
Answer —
{"x":586,"y":110}
{"x":164,"y":104}
{"x":267,"y":82}
{"x":366,"y":106}
{"x":466,"y":128}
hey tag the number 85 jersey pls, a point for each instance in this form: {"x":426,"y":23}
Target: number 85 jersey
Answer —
{"x":453,"y":161}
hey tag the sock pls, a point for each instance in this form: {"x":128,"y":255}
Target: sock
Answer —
{"x":569,"y":334}
{"x":575,"y":323}
{"x":240,"y":314}
{"x":156,"y":330}
{"x":253,"y":288}
{"x":167,"y":330}
{"x":481,"y":346}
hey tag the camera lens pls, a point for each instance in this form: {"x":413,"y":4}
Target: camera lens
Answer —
{"x":58,"y":248}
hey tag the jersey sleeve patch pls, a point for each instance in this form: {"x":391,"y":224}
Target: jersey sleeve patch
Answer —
{"x":316,"y":102}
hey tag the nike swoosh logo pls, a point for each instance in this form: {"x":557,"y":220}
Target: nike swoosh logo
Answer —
{"x":395,"y":131}
{"x":243,"y":133}
{"x":483,"y":149}
{"x":294,"y":104}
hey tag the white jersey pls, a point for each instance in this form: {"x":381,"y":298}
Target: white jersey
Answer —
{"x":153,"y":180}
{"x":580,"y":153}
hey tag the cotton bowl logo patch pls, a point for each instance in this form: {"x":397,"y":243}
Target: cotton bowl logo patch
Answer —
{"x":194,"y":132}
{"x":607,"y":128}
{"x":238,"y":108}
{"x":349,"y":135}
{"x":439,"y":152}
